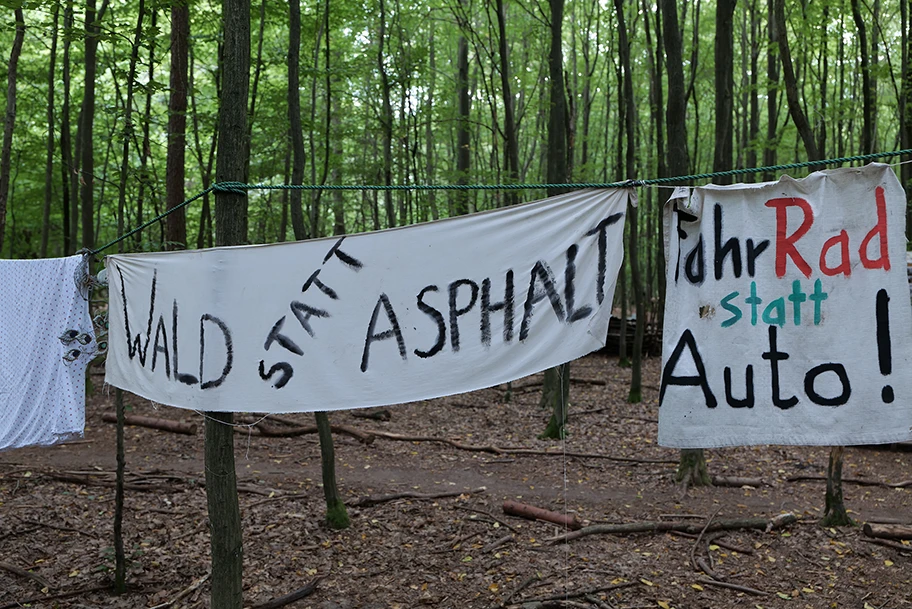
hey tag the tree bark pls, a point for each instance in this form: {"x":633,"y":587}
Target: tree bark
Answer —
{"x":835,"y":514}
{"x":556,"y":389}
{"x":724,"y":76}
{"x":463,"y":108}
{"x":87,"y":127}
{"x":867,"y":90}
{"x":230,"y":229}
{"x":9,"y":119}
{"x":294,"y":118}
{"x":511,"y":147}
{"x":386,"y":120}
{"x":791,"y":85}
{"x":49,"y":162}
{"x":176,"y":223}
{"x":67,"y":167}
{"x":336,"y":514}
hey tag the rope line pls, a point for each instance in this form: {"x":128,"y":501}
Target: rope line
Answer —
{"x":240,"y":188}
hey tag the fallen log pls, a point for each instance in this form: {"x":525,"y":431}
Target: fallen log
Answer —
{"x":378,"y":499}
{"x":888,"y":531}
{"x":858,"y":481}
{"x":297,"y":595}
{"x":736,"y":481}
{"x":43,"y":583}
{"x":686,"y":527}
{"x":153,"y":423}
{"x":530,"y":512}
{"x":271,"y":431}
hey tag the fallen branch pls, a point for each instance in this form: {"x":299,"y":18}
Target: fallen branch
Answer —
{"x":714,"y":540}
{"x":184,"y":593}
{"x":377,"y":415}
{"x":889,"y":544}
{"x":858,"y":481}
{"x":736,"y":481}
{"x":378,"y":499}
{"x":271,"y":431}
{"x":56,"y":527}
{"x":498,"y":450}
{"x":297,"y":595}
{"x":888,"y":531}
{"x":27,"y":574}
{"x":496,"y":544}
{"x":530,"y":512}
{"x":43,"y":599}
{"x":153,"y":423}
{"x":656,"y":527}
{"x":579,"y":593}
{"x":718,"y":584}
{"x":86,"y":481}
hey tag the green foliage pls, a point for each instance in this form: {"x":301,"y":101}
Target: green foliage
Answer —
{"x":419,"y":58}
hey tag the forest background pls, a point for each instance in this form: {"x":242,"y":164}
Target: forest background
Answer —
{"x":113,"y":117}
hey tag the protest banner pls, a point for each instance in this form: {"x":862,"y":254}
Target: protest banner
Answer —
{"x":787,"y":317}
{"x":373,"y":319}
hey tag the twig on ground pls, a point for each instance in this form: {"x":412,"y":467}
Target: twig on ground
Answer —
{"x":488,"y":514}
{"x":888,"y":544}
{"x":656,"y":527}
{"x":43,"y":599}
{"x":497,"y":543}
{"x":580,"y":593}
{"x":378,"y":499}
{"x":718,"y":584}
{"x":294,"y":596}
{"x":27,"y":574}
{"x":858,"y":481}
{"x":184,"y":593}
{"x":693,"y":548}
{"x":56,"y":527}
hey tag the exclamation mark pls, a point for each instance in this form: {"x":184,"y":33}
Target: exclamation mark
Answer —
{"x":884,"y":353}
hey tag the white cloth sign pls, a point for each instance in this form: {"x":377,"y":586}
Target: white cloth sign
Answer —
{"x":787,"y":317}
{"x":367,"y":320}
{"x":46,"y":342}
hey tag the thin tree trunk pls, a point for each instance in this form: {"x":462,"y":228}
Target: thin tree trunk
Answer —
{"x":463,"y":108}
{"x":791,"y":85}
{"x":867,"y":89}
{"x":9,"y":119}
{"x":230,"y":229}
{"x":724,"y":55}
{"x":772,"y":90}
{"x":636,"y":380}
{"x":835,"y":514}
{"x":556,"y":389}
{"x":294,"y":118}
{"x":120,"y":562}
{"x":257,"y":70}
{"x":176,"y":237}
{"x":511,"y":147}
{"x":67,"y":166}
{"x":49,"y":163}
{"x":87,"y":128}
{"x":386,"y":120}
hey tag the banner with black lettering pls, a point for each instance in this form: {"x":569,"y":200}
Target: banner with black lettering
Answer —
{"x":787,"y":316}
{"x":372,"y":319}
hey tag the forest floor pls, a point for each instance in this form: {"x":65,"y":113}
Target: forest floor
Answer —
{"x":460,"y":551}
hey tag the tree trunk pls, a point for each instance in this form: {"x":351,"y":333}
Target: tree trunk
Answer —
{"x":692,"y":468}
{"x":867,"y":90}
{"x":724,"y":74}
{"x":386,"y":121}
{"x":791,"y":85}
{"x":87,"y":128}
{"x":906,"y":111}
{"x":511,"y":147}
{"x":336,"y":514}
{"x":67,"y":166}
{"x":49,"y":162}
{"x":176,"y":237}
{"x":257,"y":70}
{"x":556,"y":390}
{"x":772,"y":91}
{"x":636,"y":379}
{"x":294,"y":118}
{"x":230,"y":229}
{"x":834,"y":514}
{"x":9,"y":119}
{"x":463,"y":108}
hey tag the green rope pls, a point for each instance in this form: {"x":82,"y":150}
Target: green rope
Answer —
{"x":242,"y":189}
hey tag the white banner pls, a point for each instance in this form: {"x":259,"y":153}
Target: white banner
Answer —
{"x":787,"y":317}
{"x":373,"y":319}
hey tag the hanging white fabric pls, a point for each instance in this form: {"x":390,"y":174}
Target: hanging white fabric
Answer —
{"x":46,"y":342}
{"x":787,"y":317}
{"x":373,"y":319}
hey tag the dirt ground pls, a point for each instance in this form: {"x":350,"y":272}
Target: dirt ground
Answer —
{"x":459,"y":551}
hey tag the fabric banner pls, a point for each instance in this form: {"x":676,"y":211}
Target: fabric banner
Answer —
{"x":46,"y":342}
{"x":372,"y":319}
{"x":787,"y":317}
